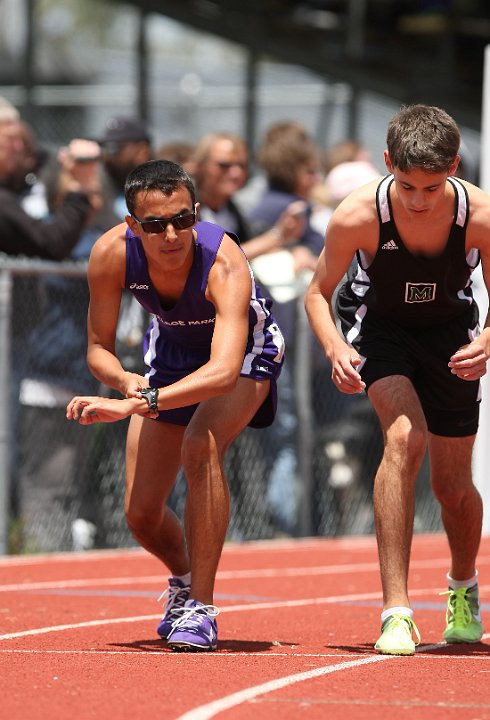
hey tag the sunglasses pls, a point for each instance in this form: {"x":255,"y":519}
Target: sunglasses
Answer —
{"x":178,"y":222}
{"x":225,"y":166}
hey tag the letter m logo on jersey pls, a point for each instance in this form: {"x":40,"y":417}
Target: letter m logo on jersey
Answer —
{"x":420,"y":292}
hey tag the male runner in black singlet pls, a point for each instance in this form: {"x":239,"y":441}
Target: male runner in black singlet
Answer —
{"x":412,"y":341}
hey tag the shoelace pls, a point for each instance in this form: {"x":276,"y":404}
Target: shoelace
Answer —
{"x":192,"y":616}
{"x":458,"y":607}
{"x":398,"y":620}
{"x":172,"y":594}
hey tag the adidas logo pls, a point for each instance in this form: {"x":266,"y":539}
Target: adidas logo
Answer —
{"x":390,"y":245}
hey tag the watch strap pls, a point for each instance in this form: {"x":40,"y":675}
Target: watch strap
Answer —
{"x":151,"y":396}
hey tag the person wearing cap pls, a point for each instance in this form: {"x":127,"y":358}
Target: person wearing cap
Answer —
{"x":346,"y":177}
{"x":126,"y":142}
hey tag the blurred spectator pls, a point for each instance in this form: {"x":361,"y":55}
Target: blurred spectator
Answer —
{"x":344,"y":151}
{"x":85,"y":506}
{"x":348,"y":176}
{"x":346,"y":448}
{"x":350,"y":168}
{"x":24,"y":230}
{"x":25,"y":178}
{"x":126,"y":142}
{"x":54,"y":480}
{"x":180,"y":152}
{"x":347,"y":166}
{"x":290,"y":160}
{"x":221,"y":170}
{"x":21,"y":234}
{"x":62,"y":503}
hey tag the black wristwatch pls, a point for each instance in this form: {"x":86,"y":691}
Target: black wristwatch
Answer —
{"x":151,"y":396}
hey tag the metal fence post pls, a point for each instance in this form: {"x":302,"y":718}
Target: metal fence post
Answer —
{"x":302,"y":382}
{"x":5,"y":313}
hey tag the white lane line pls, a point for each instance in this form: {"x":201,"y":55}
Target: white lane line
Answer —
{"x":231,"y":548}
{"x":205,"y":712}
{"x":75,"y":626}
{"x":69,"y":556}
{"x":258,"y":573}
{"x":176,"y":655}
{"x":242,"y":653}
{"x":302,"y":544}
{"x":210,"y":710}
{"x":226,"y":609}
{"x":247,"y":607}
{"x":86,"y":582}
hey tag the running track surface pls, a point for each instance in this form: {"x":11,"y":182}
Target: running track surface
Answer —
{"x":296,"y":630}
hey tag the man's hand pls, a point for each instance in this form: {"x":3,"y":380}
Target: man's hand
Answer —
{"x":133,"y":384}
{"x":291,"y":223}
{"x":91,"y":409}
{"x":344,"y":374}
{"x":79,"y":162}
{"x":470,"y":361}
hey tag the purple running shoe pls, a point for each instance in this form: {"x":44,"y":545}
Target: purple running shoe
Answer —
{"x":177,"y":595}
{"x":195,"y":628}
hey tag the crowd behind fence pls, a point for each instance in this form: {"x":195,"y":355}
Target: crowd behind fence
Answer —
{"x":62,"y":485}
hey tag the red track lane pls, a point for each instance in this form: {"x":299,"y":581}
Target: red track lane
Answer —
{"x":297,"y":626}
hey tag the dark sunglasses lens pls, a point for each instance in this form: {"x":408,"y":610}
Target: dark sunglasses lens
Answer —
{"x":183,"y":221}
{"x":153,"y":226}
{"x":180,"y":222}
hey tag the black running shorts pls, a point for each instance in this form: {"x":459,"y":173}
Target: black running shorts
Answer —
{"x":451,"y":405}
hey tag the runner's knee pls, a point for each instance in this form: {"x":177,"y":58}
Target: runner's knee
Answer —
{"x":407,"y":441}
{"x":199,"y":448}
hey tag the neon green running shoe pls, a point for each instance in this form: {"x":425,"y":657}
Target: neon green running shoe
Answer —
{"x":397,"y":636}
{"x":463,"y":621}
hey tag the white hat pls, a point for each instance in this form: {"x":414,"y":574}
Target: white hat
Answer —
{"x":348,"y":176}
{"x":8,"y":113}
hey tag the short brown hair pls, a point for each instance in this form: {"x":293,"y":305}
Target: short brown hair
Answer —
{"x":423,"y":136}
{"x":285,"y":147}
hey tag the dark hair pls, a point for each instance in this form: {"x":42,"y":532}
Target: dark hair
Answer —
{"x":163,"y":175}
{"x":422,"y":136}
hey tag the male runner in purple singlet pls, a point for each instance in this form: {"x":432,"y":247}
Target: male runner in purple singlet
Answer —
{"x":213,"y":352}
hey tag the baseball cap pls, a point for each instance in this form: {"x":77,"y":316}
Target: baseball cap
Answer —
{"x":124,"y":129}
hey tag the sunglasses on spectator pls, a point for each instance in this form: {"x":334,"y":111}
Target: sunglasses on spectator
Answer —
{"x":159,"y":225}
{"x":225,"y":166}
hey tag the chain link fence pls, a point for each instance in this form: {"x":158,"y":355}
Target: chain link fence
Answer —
{"x":63,"y":484}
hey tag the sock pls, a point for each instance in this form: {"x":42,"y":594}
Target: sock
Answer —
{"x":472,"y":585}
{"x":456,"y":584}
{"x":408,"y":612}
{"x":184,"y":579}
